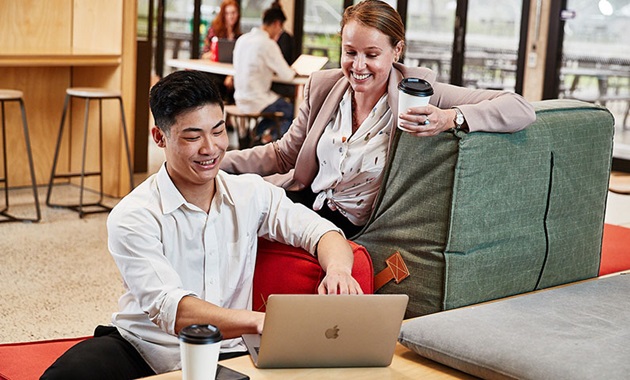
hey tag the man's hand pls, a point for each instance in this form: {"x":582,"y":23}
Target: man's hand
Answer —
{"x":336,"y":257}
{"x":338,"y":282}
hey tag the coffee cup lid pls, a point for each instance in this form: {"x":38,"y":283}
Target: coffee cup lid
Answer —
{"x":415,"y":86}
{"x":200,"y":334}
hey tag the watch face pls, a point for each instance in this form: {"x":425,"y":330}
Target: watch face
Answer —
{"x":459,"y":119}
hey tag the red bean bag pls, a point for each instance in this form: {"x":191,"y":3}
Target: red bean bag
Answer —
{"x":615,"y":249}
{"x":283,"y":269}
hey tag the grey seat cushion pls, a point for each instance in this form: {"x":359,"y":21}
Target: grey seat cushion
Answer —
{"x":580,"y":331}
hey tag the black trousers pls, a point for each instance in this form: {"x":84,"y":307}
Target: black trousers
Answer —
{"x":106,"y":356}
{"x":307,"y":197}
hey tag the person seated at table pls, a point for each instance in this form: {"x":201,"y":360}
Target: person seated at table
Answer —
{"x":185,"y":244}
{"x":334,"y":154}
{"x":257,"y":58}
{"x":227,"y":24}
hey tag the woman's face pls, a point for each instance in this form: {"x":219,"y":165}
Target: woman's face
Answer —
{"x":231,"y":15}
{"x":367,"y":57}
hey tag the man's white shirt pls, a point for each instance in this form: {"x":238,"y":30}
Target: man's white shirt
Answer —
{"x":257,"y":58}
{"x":167,"y":248}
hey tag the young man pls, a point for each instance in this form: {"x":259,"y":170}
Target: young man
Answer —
{"x":257,"y":58}
{"x":185,"y":242}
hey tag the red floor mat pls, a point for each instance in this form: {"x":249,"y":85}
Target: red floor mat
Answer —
{"x":26,"y":361}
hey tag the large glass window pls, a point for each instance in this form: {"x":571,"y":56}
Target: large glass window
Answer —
{"x":178,"y":26}
{"x":322,"y":23}
{"x":596,"y":54}
{"x":251,"y":13}
{"x":492,"y":40}
{"x":430,"y":26}
{"x":143,"y":19}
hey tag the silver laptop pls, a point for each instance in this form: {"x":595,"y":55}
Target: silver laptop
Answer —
{"x":328,"y":331}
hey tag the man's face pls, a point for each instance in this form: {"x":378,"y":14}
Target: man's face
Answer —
{"x":194,"y":147}
{"x":276,"y":30}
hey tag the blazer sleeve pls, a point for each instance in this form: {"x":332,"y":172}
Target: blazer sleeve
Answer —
{"x":486,"y":110}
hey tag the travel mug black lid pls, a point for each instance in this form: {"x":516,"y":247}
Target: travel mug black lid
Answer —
{"x":200,"y":334}
{"x":415,"y":86}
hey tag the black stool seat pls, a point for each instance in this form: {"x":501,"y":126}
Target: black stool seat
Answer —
{"x":7,"y":95}
{"x":88,"y":93}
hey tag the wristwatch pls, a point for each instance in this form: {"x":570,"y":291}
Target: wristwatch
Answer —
{"x":459,"y":119}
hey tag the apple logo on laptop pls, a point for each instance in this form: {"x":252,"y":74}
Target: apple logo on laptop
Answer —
{"x":332,"y":333}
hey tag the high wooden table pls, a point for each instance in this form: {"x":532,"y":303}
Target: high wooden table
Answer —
{"x":405,"y":365}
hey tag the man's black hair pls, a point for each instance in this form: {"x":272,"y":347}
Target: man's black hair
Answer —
{"x":179,"y":92}
{"x":272,"y":15}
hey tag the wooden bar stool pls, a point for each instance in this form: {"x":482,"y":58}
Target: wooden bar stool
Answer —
{"x":245,"y":124}
{"x":16,"y":96}
{"x":88,"y":94}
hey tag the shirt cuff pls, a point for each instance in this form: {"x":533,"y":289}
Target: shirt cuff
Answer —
{"x":164,"y":315}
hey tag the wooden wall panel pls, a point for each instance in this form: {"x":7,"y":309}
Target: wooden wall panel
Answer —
{"x":98,"y":25}
{"x":35,"y":25}
{"x":43,"y":101}
{"x":129,"y":69}
{"x":47,"y":46}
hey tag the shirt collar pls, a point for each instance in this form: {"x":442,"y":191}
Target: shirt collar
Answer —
{"x":222,"y":192}
{"x":170,"y":196}
{"x":172,"y":199}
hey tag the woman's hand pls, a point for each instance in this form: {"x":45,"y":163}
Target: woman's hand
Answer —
{"x":426,"y":120}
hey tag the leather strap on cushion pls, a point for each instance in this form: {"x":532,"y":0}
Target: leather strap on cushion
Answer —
{"x":396,"y":270}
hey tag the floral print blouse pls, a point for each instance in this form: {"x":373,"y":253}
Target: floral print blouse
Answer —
{"x":351,"y":165}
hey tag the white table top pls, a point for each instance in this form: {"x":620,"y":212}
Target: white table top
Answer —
{"x":222,"y":69}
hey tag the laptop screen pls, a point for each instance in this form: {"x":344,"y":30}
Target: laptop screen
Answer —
{"x":225,"y":49}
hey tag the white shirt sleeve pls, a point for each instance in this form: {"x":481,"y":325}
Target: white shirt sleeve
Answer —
{"x":136,"y":246}
{"x":275,"y":60}
{"x":288,"y":222}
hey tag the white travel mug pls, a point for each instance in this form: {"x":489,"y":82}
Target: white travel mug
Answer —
{"x":413,"y":92}
{"x":199,"y":348}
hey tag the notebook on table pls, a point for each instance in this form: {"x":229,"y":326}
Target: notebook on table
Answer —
{"x":328,"y":331}
{"x":306,"y":64}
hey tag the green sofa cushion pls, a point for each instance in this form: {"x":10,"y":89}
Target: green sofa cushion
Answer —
{"x":481,"y":216}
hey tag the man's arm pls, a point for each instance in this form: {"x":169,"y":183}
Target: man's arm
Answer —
{"x":232,"y":323}
{"x":336,"y":258}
